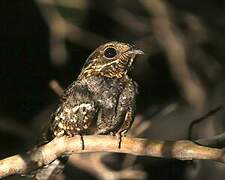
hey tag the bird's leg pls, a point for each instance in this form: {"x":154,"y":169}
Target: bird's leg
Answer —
{"x":125,"y":127}
{"x":82,"y":141}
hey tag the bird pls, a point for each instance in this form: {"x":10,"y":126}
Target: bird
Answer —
{"x":101,"y":101}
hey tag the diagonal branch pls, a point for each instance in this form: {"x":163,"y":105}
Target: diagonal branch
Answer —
{"x":182,"y":150}
{"x":171,"y":41}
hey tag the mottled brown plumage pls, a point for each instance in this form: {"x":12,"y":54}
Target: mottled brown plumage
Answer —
{"x":102,"y":99}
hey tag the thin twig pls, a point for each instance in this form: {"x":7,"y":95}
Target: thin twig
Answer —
{"x":198,"y":120}
{"x":215,"y":141}
{"x":15,"y":128}
{"x":56,"y":87}
{"x":171,"y":41}
{"x":61,"y":29}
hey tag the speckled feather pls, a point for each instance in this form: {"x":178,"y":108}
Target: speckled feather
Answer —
{"x":98,"y":101}
{"x":102,"y":99}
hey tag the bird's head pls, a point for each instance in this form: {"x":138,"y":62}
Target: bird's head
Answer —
{"x":111,"y":60}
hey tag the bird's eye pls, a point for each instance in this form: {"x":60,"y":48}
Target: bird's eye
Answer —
{"x":110,"y":52}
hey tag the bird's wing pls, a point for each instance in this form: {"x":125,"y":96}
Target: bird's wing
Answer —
{"x":76,"y":113}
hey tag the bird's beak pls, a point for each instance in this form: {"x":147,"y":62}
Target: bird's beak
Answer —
{"x":137,"y":51}
{"x":134,"y":51}
{"x":130,"y":55}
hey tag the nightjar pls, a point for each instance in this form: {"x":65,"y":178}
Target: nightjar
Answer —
{"x":101,"y":100}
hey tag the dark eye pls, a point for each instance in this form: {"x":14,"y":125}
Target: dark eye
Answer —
{"x":110,"y":52}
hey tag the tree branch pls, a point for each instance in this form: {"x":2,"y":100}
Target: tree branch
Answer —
{"x":172,"y":42}
{"x":182,"y":150}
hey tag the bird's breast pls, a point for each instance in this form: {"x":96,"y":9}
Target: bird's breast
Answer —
{"x":105,"y":91}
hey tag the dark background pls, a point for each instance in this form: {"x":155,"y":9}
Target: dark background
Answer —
{"x":44,"y":41}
